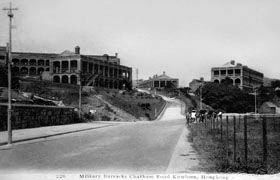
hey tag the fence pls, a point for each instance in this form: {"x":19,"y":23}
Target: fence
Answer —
{"x":248,"y":142}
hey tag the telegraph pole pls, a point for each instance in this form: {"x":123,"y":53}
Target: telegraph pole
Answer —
{"x":137,"y":77}
{"x":255,"y":100}
{"x":80,"y":95}
{"x":200,"y":95}
{"x":9,"y":111}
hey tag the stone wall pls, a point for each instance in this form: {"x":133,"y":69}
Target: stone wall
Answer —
{"x":37,"y":116}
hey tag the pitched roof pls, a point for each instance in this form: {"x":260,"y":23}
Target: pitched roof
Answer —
{"x":229,"y":64}
{"x":270,"y":104}
{"x":160,"y":77}
{"x":67,"y":53}
{"x":163,"y":76}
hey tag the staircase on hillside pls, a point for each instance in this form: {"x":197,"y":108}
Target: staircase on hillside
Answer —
{"x":90,"y":79}
{"x":125,"y":115}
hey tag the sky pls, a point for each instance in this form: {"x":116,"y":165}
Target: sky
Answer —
{"x":184,"y":38}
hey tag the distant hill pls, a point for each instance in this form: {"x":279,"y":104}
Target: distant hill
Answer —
{"x":267,"y":81}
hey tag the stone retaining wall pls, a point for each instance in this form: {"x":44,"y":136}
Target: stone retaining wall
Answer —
{"x":37,"y":116}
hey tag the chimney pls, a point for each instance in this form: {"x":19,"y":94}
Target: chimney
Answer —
{"x":232,"y":62}
{"x":116,"y":54}
{"x":77,"y":50}
{"x":163,"y":72}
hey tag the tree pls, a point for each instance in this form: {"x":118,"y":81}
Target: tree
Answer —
{"x":275,"y":84}
{"x":226,"y":97}
{"x":4,"y":78}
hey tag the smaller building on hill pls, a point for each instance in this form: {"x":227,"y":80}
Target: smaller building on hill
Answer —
{"x":196,"y":83}
{"x":269,"y":108}
{"x":159,"y":82}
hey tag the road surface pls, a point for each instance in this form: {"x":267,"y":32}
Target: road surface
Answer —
{"x":140,"y":147}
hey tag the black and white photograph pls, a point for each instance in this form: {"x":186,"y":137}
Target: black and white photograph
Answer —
{"x":139,"y":89}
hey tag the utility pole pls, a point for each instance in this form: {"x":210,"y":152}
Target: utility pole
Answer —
{"x":200,"y":95}
{"x":255,"y":100}
{"x":137,"y":77}
{"x":9,"y":111}
{"x":80,"y":95}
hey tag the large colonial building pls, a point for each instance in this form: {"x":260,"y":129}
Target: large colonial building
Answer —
{"x":239,"y":75}
{"x":68,"y":67}
{"x":159,"y":82}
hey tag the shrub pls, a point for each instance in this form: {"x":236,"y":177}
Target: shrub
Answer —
{"x":148,"y":116}
{"x":105,"y":118}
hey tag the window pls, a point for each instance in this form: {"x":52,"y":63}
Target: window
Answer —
{"x":216,"y":73}
{"x":237,"y":72}
{"x":223,"y":72}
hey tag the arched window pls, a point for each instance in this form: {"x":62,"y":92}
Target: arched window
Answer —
{"x":32,"y":71}
{"x":65,"y":79}
{"x":41,"y":62}
{"x":40,"y":70}
{"x":24,"y":70}
{"x":56,"y":79}
{"x":237,"y":81}
{"x":16,"y":61}
{"x":73,"y":79}
{"x":216,"y":81}
{"x":32,"y":62}
{"x":24,"y":62}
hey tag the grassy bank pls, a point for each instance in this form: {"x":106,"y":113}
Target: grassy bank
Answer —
{"x":138,"y":104}
{"x":211,"y":146}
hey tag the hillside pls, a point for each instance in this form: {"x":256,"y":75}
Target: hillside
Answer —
{"x":108,"y":105}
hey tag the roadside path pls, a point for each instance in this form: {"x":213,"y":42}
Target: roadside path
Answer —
{"x":104,"y":147}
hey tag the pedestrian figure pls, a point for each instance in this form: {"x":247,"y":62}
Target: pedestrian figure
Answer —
{"x":220,"y":115}
{"x":197,"y":117}
{"x":188,"y":118}
{"x":202,"y":117}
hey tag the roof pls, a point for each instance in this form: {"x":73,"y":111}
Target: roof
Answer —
{"x":229,"y":64}
{"x":29,"y":54}
{"x":161,"y":77}
{"x":270,"y":104}
{"x":67,"y":53}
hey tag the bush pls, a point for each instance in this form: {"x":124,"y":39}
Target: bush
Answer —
{"x":105,"y":118}
{"x":148,"y":116}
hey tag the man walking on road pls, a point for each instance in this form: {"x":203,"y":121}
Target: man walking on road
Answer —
{"x":188,"y":119}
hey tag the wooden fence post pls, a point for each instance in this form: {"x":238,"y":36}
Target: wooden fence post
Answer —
{"x":214,"y":121}
{"x":245,"y":141}
{"x":274,"y":125}
{"x":205,"y":119}
{"x":221,"y":130}
{"x":239,"y":122}
{"x":227,"y":144}
{"x":264,"y":144}
{"x":211,"y":122}
{"x":234,"y":139}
